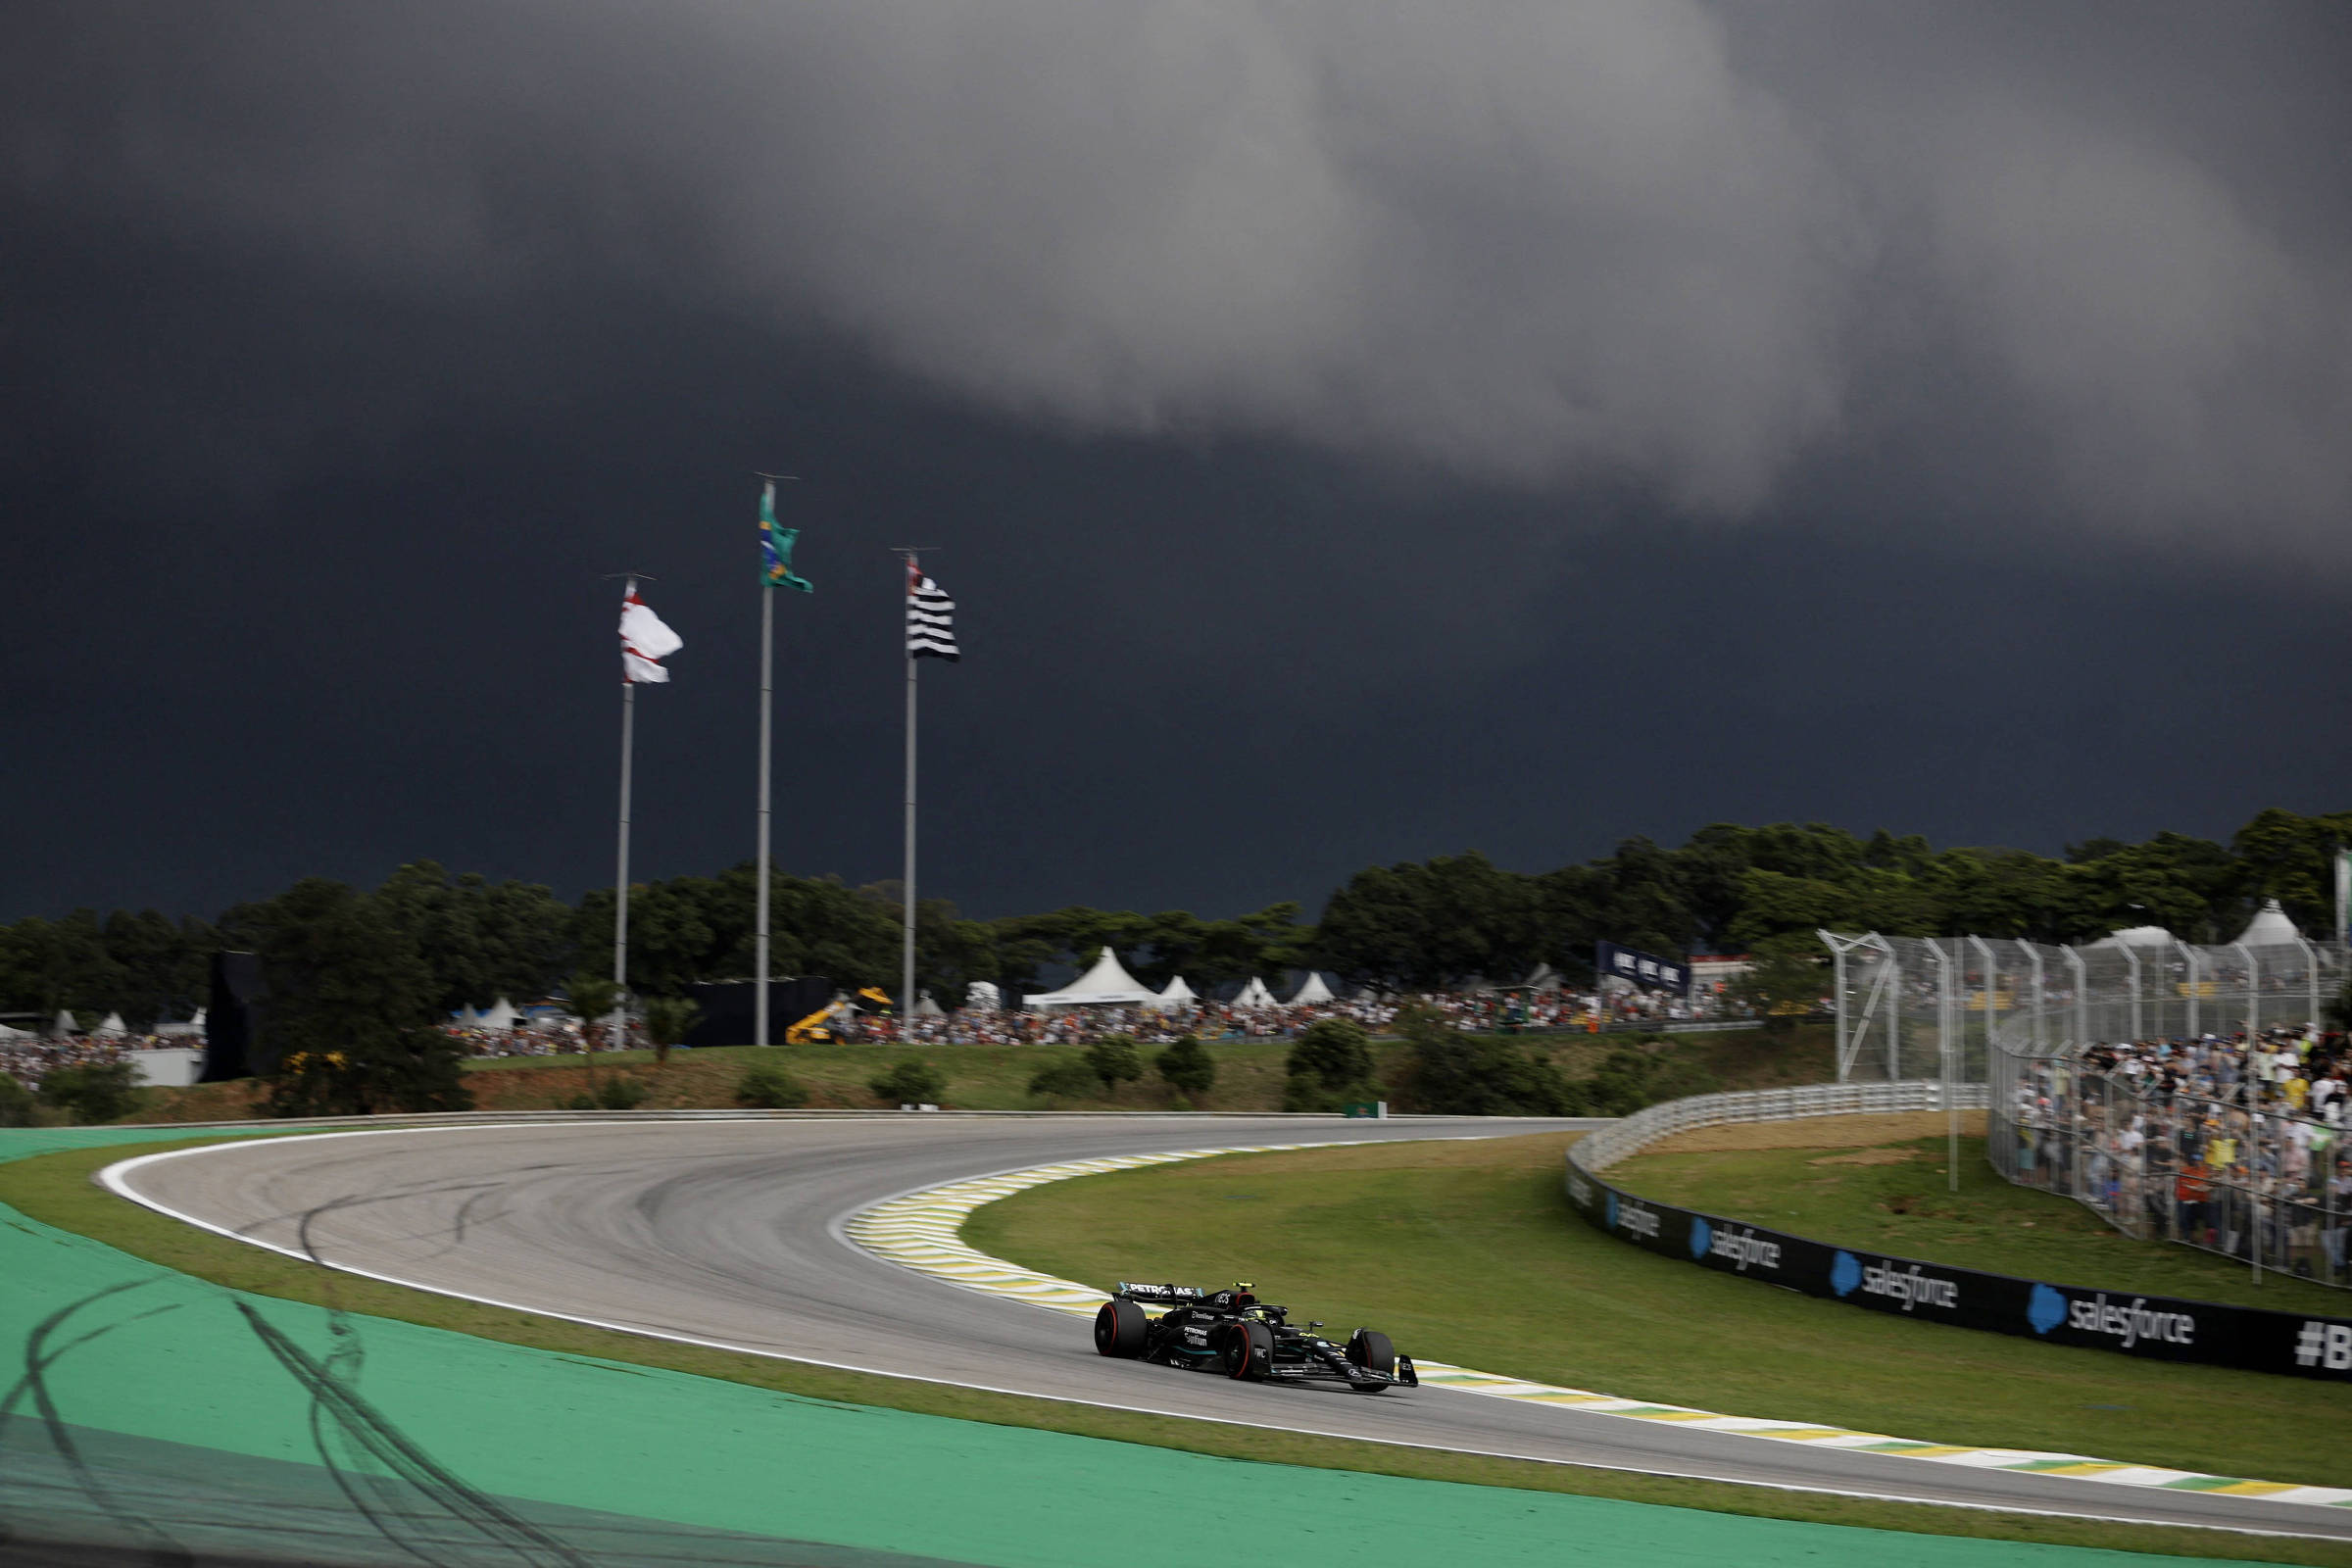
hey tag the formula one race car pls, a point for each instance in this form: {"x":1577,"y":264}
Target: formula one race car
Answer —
{"x":1234,"y":1332}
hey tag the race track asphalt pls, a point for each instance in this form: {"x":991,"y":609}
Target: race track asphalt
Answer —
{"x":729,"y":1232}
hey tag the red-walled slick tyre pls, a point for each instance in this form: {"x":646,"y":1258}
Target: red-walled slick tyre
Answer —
{"x":1119,"y":1330}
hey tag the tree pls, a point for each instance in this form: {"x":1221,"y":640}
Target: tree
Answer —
{"x":1334,"y":1051}
{"x":1785,"y":979}
{"x":351,"y":1009}
{"x":594,"y":999}
{"x":1187,"y":1067}
{"x":667,"y":1022}
{"x":92,"y":1092}
{"x":1329,"y":1066}
{"x":1114,"y":1059}
{"x":1452,"y":1074}
{"x":912,"y":1081}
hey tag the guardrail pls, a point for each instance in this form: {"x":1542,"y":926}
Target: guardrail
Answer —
{"x":1604,"y":1148}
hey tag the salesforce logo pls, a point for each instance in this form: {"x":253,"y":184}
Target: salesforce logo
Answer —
{"x":1702,"y":1236}
{"x":1845,"y":1272}
{"x":2046,"y":1309}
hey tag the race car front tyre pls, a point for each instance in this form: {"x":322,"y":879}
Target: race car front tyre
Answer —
{"x":1119,"y":1330}
{"x":1370,"y":1348}
{"x":1249,"y":1351}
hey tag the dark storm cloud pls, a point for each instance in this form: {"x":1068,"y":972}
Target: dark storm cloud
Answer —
{"x":1653,"y":245}
{"x":1357,"y":432}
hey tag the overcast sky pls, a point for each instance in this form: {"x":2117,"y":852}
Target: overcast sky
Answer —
{"x":1351,"y":432}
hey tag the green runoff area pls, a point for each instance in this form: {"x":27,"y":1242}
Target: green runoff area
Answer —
{"x":533,"y":1408}
{"x":1249,"y":1073}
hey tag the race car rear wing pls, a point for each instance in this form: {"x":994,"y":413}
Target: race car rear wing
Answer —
{"x":1159,"y":1295}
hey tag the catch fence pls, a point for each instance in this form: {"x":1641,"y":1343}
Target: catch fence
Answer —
{"x":1913,"y":1007}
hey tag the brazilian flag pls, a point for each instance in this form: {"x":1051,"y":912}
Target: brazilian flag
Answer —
{"x":775,"y":546}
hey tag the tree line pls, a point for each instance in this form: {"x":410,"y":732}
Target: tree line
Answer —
{"x":464,"y":941}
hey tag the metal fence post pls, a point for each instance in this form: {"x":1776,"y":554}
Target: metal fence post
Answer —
{"x":2082,"y":997}
{"x":2253,"y":992}
{"x":2033,"y":958}
{"x":2190,"y":955}
{"x":2311,"y":975}
{"x":2131,"y":958}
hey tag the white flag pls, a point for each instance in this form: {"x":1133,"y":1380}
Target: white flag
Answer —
{"x":645,"y":641}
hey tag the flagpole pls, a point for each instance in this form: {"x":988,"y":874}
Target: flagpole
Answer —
{"x":767,"y":648}
{"x":907,"y":965}
{"x":620,"y":880}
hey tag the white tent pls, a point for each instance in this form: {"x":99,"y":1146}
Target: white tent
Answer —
{"x":2271,"y":928}
{"x":1312,"y":992}
{"x":63,"y":1024}
{"x":6,"y":1033}
{"x":1108,"y":983}
{"x":1178,"y":994}
{"x":466,"y":1018}
{"x":2137,"y":936}
{"x":501,"y":1015}
{"x":194,"y":1026}
{"x":1544,"y":978}
{"x":982,"y":996}
{"x":925,"y":1008}
{"x":110,"y":1027}
{"x":1256,"y":994}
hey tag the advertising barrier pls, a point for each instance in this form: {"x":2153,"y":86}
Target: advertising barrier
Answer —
{"x":2158,"y":1327}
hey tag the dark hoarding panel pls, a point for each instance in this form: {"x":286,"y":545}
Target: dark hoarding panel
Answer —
{"x":2158,"y":1327}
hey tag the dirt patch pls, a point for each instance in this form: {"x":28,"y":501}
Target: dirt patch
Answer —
{"x":1819,"y":1132}
{"x":1867,"y":1157}
{"x":1536,"y":1150}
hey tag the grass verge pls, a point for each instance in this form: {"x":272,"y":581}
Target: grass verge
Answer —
{"x":57,"y":1189}
{"x":1249,"y":1073}
{"x":1469,"y":1253}
{"x":1894,"y":1196}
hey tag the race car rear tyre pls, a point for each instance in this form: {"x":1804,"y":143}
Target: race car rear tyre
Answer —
{"x":1370,"y":1348}
{"x":1249,"y":1351}
{"x":1119,"y":1330}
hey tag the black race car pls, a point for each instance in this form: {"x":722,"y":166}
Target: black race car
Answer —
{"x":1235,"y":1332}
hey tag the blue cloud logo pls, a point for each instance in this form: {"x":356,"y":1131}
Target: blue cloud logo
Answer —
{"x":1609,"y":1221}
{"x":2046,"y":1309}
{"x":1702,"y":1236}
{"x":1844,"y":1273}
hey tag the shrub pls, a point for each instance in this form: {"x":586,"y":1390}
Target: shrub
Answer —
{"x":18,"y":1105}
{"x":1114,"y":1059}
{"x":1067,"y":1079}
{"x":1305,"y":1092}
{"x":766,"y":1086}
{"x":912,"y":1081}
{"x":93,"y":1091}
{"x":621,"y":1092}
{"x":1187,"y":1067}
{"x":1459,"y":1074}
{"x":1627,"y":1080}
{"x":1334,"y":1050}
{"x":667,"y":1022}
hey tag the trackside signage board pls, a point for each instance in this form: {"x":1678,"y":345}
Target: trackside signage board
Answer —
{"x":2165,"y":1327}
{"x":1641,"y":969}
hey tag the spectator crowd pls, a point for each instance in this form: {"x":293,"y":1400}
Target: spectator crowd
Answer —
{"x":2230,"y":1144}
